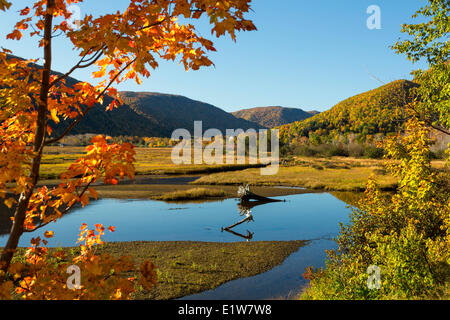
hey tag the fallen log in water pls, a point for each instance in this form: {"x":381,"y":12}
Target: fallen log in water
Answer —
{"x":245,"y":195}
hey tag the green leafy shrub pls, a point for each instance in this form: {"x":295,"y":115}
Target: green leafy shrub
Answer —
{"x":406,"y":235}
{"x":373,"y":152}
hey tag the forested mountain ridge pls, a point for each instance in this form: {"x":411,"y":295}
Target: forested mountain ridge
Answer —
{"x":175,"y":111}
{"x":147,"y":114}
{"x":271,"y":117}
{"x":378,"y":111}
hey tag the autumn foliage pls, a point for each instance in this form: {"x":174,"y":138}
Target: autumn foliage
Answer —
{"x":118,"y":46}
{"x":43,"y":275}
{"x":377,"y":112}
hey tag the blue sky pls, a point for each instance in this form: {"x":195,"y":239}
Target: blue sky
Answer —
{"x":305,"y":54}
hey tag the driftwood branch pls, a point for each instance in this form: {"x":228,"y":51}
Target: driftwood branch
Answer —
{"x":245,"y":194}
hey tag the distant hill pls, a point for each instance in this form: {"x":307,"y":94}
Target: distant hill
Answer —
{"x":120,"y":121}
{"x":271,"y":117}
{"x":174,"y":111}
{"x":377,"y":111}
{"x":313,"y":112}
{"x":149,"y":114}
{"x":155,"y":115}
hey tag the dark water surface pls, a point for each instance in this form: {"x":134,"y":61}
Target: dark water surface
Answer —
{"x":313,"y":217}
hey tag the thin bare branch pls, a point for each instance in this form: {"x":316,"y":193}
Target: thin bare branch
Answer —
{"x":83,"y":114}
{"x":79,"y":65}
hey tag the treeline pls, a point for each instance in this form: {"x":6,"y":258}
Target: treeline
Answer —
{"x":355,"y":150}
{"x":151,"y":142}
{"x":369,"y":150}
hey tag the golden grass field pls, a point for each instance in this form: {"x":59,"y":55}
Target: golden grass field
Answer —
{"x":330,"y":174}
{"x":149,"y":161}
{"x":335,"y":179}
{"x":192,"y":194}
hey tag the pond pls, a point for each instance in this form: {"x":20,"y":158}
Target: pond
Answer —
{"x":309,"y":216}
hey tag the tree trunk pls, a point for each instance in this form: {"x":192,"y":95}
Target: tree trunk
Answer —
{"x":41,"y":127}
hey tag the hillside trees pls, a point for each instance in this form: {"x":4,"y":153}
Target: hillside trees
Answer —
{"x":120,"y":46}
{"x":378,"y":111}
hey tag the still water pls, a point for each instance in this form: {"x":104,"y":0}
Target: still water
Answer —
{"x":314,"y":217}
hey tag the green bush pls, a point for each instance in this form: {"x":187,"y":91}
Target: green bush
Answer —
{"x":335,"y":151}
{"x":406,"y":235}
{"x":328,"y":150}
{"x":373,"y":152}
{"x":321,"y":150}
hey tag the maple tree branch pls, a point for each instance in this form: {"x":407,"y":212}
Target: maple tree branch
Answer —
{"x":65,"y":211}
{"x":91,"y":61}
{"x":37,"y":32}
{"x":94,"y":56}
{"x":155,"y":24}
{"x":83,"y":114}
{"x":58,"y":35}
{"x":79,"y":65}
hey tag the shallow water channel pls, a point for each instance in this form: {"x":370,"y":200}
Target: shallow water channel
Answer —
{"x":309,"y":216}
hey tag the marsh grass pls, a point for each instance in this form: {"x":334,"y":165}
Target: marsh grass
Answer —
{"x":149,"y":161}
{"x":192,"y":194}
{"x":329,"y":174}
{"x":315,"y":177}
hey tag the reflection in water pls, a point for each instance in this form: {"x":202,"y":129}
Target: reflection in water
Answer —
{"x":247,"y":237}
{"x":248,"y":218}
{"x":301,"y":217}
{"x":245,"y":209}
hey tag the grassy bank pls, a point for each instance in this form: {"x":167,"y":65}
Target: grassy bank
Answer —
{"x":337,"y":173}
{"x":159,"y":191}
{"x":311,"y":177}
{"x":329,"y":174}
{"x":192,"y":194}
